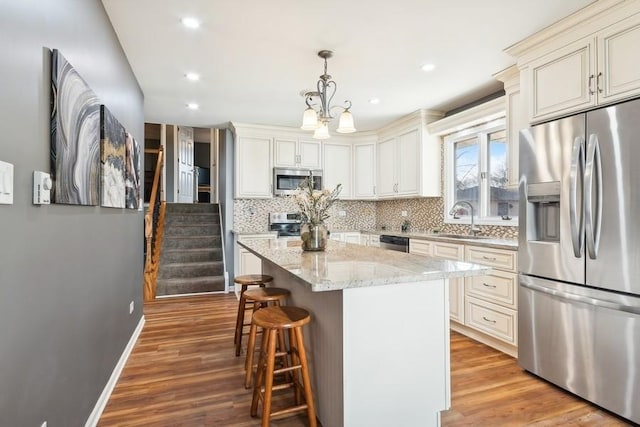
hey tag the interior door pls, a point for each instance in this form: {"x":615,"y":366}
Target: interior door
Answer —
{"x":185,"y":165}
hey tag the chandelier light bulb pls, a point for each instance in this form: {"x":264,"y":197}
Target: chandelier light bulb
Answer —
{"x":345,"y":125}
{"x":322,"y":131}
{"x":309,"y":119}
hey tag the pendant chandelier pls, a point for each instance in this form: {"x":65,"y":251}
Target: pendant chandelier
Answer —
{"x":318,"y":113}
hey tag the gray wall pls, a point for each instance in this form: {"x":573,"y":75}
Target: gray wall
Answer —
{"x":170,"y":162}
{"x":226,"y":196}
{"x":67,"y":274}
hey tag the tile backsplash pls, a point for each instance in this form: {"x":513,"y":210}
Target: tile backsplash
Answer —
{"x":427,"y":214}
{"x":252,"y":215}
{"x":424,"y":214}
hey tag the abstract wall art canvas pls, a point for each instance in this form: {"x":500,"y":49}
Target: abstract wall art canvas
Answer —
{"x":75,"y":136}
{"x":132,"y":173}
{"x":112,"y":158}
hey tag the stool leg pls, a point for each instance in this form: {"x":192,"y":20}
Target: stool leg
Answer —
{"x":259,"y":373}
{"x":239,"y":316}
{"x":295,"y":361}
{"x":251,"y":345}
{"x":308,"y":395}
{"x":268,"y":381}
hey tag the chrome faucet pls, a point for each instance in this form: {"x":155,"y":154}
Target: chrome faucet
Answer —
{"x":474,"y":230}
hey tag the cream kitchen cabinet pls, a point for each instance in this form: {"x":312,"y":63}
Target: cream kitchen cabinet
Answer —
{"x":491,"y":301}
{"x":374,"y":240}
{"x":253,"y":172}
{"x":297,"y":153}
{"x":453,"y":252}
{"x":399,"y":165}
{"x":598,"y":69}
{"x":364,"y":171}
{"x":346,"y":236}
{"x":337,"y":160}
{"x":408,"y":158}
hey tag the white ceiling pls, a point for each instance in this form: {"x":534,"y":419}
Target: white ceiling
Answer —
{"x":256,"y":56}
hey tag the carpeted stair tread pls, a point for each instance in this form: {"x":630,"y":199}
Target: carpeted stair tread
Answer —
{"x":191,"y":255}
{"x":191,"y":269}
{"x":210,"y":229}
{"x":191,"y":285}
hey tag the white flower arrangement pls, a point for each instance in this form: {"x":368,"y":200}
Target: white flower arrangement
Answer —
{"x":314,"y":204}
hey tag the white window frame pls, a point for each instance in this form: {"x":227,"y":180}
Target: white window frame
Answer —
{"x":481,"y":132}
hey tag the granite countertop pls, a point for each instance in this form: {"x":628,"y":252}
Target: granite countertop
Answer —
{"x":343,"y":265}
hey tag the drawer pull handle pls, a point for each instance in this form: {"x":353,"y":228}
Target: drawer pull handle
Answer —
{"x":488,"y":285}
{"x":488,"y":320}
{"x":490,"y":258}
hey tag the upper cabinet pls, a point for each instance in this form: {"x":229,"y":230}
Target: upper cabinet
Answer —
{"x":297,"y":153}
{"x":409,"y":158}
{"x":252,"y":167}
{"x":364,"y":171}
{"x":516,"y":119}
{"x":586,"y":60}
{"x":337,"y":167}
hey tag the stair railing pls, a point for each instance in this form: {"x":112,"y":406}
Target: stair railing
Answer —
{"x":153,"y":227}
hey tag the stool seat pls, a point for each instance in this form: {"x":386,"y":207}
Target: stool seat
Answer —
{"x":281,"y":317}
{"x":253,"y":279}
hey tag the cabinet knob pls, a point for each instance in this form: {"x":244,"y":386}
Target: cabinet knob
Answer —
{"x":598,"y":82}
{"x":591,"y":92}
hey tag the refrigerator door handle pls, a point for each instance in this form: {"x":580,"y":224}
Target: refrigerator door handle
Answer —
{"x":576,"y":219}
{"x":580,"y":298}
{"x":593,"y":172}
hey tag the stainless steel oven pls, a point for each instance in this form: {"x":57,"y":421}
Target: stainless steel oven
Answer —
{"x":286,"y":181}
{"x":285,"y":223}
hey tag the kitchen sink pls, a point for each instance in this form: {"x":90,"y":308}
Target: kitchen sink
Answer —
{"x":461,"y":236}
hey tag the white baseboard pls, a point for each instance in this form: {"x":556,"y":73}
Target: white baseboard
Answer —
{"x":94,"y":417}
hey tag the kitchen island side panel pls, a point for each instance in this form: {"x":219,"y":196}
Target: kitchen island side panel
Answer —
{"x":323,"y":341}
{"x":396,"y":354}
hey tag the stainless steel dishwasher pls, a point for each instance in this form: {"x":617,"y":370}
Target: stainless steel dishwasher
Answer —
{"x":394,"y":243}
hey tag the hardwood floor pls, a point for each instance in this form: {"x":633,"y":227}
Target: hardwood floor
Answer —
{"x":183,"y":373}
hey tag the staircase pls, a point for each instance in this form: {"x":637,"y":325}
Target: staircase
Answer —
{"x":191,"y":256}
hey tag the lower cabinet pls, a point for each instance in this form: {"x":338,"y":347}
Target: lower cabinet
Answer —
{"x":482,"y":307}
{"x":347,"y":236}
{"x":491,"y":301}
{"x":453,"y":252}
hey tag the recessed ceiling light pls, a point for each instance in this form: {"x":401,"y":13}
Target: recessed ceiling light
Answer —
{"x":428,"y":67}
{"x":374,"y":101}
{"x":192,"y":76}
{"x":192,"y":106}
{"x":190,"y":22}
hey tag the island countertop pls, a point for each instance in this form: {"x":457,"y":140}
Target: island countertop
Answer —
{"x":343,"y":265}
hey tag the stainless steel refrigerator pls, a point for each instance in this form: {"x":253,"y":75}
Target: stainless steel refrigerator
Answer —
{"x":579,"y":255}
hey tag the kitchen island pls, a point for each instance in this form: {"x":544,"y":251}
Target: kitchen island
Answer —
{"x":378,"y":343}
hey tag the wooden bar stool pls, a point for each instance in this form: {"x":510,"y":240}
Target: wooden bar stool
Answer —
{"x":272,"y":320}
{"x":246,"y":281}
{"x":261,"y":297}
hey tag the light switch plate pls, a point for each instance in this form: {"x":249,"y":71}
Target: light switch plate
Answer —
{"x":6,"y":183}
{"x":41,"y":188}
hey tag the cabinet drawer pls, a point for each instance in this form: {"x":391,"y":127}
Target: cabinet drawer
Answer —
{"x":492,"y":319}
{"x":498,"y":287}
{"x":498,"y":258}
{"x":448,"y":251}
{"x":420,"y":247}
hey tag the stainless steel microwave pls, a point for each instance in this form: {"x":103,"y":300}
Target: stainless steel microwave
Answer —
{"x":286,"y":181}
